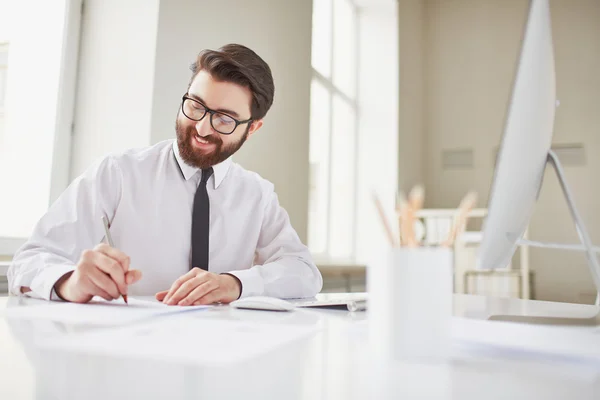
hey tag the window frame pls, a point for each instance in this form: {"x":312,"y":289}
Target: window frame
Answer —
{"x":333,"y":90}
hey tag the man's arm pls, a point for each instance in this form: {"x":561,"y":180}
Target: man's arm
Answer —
{"x":284,"y":267}
{"x":71,"y":225}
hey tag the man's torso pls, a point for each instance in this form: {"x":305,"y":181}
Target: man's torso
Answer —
{"x":152,"y":221}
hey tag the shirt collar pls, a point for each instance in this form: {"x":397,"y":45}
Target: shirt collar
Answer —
{"x":219,"y":170}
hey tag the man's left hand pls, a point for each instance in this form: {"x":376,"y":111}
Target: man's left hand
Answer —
{"x":199,"y":287}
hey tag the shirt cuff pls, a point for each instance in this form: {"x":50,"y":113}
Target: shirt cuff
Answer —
{"x":54,"y":296}
{"x":251,"y":281}
{"x":43,"y":284}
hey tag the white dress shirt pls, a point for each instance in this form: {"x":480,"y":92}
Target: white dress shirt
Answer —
{"x":147,"y":195}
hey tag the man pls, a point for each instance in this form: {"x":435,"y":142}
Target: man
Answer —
{"x":197,"y":226}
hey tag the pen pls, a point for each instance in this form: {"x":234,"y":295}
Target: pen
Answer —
{"x":357,"y":305}
{"x":110,"y":243}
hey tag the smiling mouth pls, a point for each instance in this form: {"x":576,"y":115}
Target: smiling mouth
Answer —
{"x":202,"y":142}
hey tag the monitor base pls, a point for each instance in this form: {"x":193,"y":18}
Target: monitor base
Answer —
{"x":582,"y":231}
{"x":540,"y":320}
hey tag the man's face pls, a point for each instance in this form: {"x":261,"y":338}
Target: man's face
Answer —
{"x":199,"y":144}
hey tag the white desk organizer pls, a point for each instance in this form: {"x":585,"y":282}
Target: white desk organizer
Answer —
{"x":410,"y":304}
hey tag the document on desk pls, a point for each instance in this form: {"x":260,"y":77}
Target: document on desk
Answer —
{"x":185,"y":339}
{"x":557,"y":343}
{"x":97,"y":312}
{"x":472,"y":337}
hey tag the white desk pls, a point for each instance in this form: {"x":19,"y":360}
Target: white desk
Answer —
{"x":333,"y":363}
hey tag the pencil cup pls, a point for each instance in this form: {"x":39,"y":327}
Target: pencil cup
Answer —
{"x":410,"y":304}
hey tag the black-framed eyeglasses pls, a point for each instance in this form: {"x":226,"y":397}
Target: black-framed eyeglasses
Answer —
{"x":220,"y":122}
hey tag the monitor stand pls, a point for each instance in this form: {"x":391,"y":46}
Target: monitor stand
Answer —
{"x":589,"y":250}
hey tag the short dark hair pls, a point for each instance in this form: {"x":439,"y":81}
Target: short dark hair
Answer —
{"x":238,"y":64}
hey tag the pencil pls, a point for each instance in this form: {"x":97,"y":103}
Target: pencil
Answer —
{"x":110,"y":243}
{"x":416,"y":198}
{"x":386,"y":225}
{"x":404,"y":219}
{"x":466,"y":205}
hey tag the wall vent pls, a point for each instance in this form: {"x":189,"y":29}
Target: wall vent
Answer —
{"x":457,"y":159}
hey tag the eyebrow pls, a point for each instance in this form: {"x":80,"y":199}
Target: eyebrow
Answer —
{"x":221,"y":110}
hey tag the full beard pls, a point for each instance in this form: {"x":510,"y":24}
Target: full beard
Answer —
{"x":199,"y":159}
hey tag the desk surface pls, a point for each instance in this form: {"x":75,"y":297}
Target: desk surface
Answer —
{"x":332,"y":363}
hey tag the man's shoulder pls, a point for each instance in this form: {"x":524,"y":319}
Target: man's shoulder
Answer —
{"x":157,"y":150}
{"x":139,"y":157}
{"x":250,"y":178}
{"x":132,"y":160}
{"x":129,"y":163}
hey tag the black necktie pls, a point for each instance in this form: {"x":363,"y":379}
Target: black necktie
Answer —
{"x":200,"y":223}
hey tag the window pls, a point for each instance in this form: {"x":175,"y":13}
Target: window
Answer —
{"x":333,"y":130}
{"x":38,"y":45}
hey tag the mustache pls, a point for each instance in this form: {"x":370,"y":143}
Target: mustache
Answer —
{"x":210,"y":138}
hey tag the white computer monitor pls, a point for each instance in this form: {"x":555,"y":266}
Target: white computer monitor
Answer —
{"x":525,"y":143}
{"x":525,"y":150}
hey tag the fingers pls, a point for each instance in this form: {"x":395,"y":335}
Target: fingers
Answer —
{"x":109,"y":266}
{"x":115,"y":254}
{"x":103,"y":271}
{"x":104,"y":283}
{"x":160,"y":296}
{"x":133,"y":276}
{"x":200,"y":291}
{"x":186,"y":288}
{"x":86,"y":288}
{"x":210,"y":298}
{"x":180,"y":281}
{"x":99,"y":292}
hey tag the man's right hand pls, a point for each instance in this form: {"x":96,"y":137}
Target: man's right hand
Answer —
{"x":103,"y":271}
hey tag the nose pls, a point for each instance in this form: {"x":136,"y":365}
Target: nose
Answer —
{"x":203,"y":126}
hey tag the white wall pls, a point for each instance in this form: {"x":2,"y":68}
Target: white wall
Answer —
{"x":471,"y":49}
{"x":116,"y":76}
{"x":377,"y":150}
{"x":411,"y":117}
{"x":278,"y":31}
{"x":471,"y":52}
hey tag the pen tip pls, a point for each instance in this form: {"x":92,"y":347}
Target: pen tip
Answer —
{"x":125,"y":298}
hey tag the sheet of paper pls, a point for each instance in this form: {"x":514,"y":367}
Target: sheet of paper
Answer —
{"x":472,"y":338}
{"x":97,"y":312}
{"x":214,"y":341}
{"x":577,"y":344}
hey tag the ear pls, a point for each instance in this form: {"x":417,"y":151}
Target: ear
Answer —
{"x":254,"y":126}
